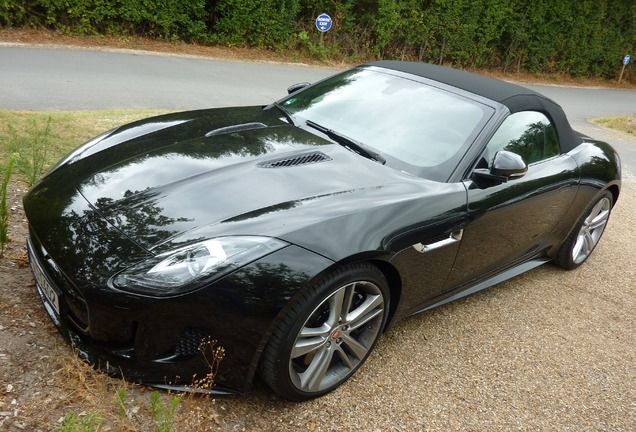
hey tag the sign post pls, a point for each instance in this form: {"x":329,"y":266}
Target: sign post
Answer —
{"x":323,"y":24}
{"x":626,"y":60}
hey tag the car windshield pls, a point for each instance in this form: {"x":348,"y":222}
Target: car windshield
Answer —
{"x":417,"y":128}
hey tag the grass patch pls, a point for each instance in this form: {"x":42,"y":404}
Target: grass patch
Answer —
{"x":7,"y":169}
{"x":75,"y":423}
{"x":163,"y":412}
{"x":108,"y":404}
{"x":30,"y":149}
{"x":39,"y":139}
{"x":625,"y":124}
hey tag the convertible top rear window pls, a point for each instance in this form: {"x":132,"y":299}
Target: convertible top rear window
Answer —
{"x":417,"y":128}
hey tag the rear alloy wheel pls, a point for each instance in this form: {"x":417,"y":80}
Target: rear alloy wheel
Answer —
{"x":328,"y":333}
{"x":587,"y":233}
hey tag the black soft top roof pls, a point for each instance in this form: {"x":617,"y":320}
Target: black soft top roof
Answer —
{"x":515,"y":97}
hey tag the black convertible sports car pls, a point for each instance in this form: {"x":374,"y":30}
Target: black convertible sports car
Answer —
{"x":295,"y":234}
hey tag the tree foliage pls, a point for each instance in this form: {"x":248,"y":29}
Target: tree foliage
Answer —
{"x":577,"y":37}
{"x":165,"y":19}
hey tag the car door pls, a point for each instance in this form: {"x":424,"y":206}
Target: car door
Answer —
{"x":509,"y":222}
{"x":427,"y":249}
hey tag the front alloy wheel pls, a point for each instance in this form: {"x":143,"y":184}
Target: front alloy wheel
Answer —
{"x":328,"y":333}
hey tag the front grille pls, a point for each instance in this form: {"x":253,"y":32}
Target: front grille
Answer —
{"x":305,"y":159}
{"x":190,"y":341}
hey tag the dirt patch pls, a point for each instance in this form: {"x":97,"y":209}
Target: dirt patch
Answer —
{"x":30,"y":353}
{"x":53,"y":39}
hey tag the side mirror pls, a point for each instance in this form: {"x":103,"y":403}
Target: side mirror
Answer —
{"x":506,"y":165}
{"x":294,"y":88}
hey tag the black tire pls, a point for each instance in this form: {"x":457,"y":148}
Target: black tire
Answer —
{"x":316,"y":347}
{"x":586,"y":234}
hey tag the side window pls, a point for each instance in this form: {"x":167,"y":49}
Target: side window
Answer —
{"x":528,"y":134}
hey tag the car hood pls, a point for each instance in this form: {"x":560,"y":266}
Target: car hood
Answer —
{"x":176,"y":179}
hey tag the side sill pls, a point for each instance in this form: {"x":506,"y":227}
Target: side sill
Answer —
{"x":500,"y":277}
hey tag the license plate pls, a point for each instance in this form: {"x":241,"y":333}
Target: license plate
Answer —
{"x":45,"y":287}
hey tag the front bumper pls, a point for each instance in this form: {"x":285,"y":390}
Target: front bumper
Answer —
{"x":157,"y":341}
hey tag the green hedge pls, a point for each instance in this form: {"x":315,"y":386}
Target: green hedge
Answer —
{"x":257,"y":23}
{"x":165,"y":19}
{"x":578,"y":37}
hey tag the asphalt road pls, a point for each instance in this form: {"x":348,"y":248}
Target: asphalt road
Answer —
{"x":72,"y":79}
{"x":65,"y":79}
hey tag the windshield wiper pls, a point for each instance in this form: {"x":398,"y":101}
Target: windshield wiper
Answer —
{"x":288,"y":116}
{"x":348,"y":143}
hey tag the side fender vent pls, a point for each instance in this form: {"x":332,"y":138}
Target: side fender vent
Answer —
{"x":236,"y":128}
{"x":305,"y":159}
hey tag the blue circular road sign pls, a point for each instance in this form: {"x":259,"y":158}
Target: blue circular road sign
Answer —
{"x":323,"y":23}
{"x":626,"y":59}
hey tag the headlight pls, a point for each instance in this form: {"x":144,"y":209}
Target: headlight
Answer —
{"x":191,"y":267}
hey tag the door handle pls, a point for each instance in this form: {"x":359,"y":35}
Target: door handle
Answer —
{"x":454,"y":236}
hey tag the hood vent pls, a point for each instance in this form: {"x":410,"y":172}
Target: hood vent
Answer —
{"x":236,"y":128}
{"x":305,"y":159}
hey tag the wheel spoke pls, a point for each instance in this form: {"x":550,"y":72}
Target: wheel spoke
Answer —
{"x":365,"y":312}
{"x":310,"y":339}
{"x":356,"y":348}
{"x":308,"y":332}
{"x":339,"y":304}
{"x":335,"y":307}
{"x":345,"y":357}
{"x":576,"y":250}
{"x":588,"y":244}
{"x":315,"y":373}
{"x":306,"y":346}
{"x":599,"y":221}
{"x":346,"y":303}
